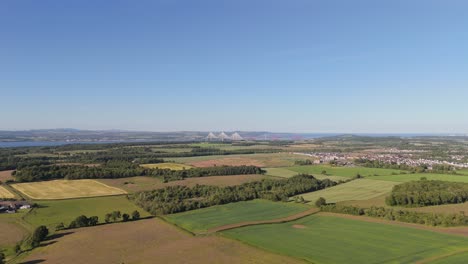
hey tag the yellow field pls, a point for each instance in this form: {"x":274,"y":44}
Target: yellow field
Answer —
{"x":4,"y":193}
{"x":65,"y":189}
{"x":167,"y":165}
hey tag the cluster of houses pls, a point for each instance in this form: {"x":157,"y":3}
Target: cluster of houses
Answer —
{"x":10,"y":207}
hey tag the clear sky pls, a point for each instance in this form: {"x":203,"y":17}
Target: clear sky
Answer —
{"x":289,"y":65}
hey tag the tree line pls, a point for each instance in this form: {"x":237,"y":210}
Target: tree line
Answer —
{"x":174,"y":199}
{"x":441,"y":168}
{"x":432,"y":219}
{"x":121,"y":169}
{"x":425,"y":193}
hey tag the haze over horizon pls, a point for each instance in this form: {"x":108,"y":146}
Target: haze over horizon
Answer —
{"x":279,"y":66}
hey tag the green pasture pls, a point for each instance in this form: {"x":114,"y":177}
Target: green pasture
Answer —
{"x":418,"y":176}
{"x":348,"y":172}
{"x":203,"y":219}
{"x":330,"y":239}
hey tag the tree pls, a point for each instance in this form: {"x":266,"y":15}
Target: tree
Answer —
{"x":2,"y":258}
{"x":93,"y":220}
{"x":39,"y":234}
{"x":17,"y":248}
{"x":125,"y":217}
{"x":107,"y":219}
{"x":324,"y":172}
{"x":116,"y":215}
{"x":320,"y":201}
{"x":135,"y":215}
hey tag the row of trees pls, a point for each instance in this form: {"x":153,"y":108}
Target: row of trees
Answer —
{"x":84,"y":221}
{"x":174,"y":199}
{"x":433,"y":219}
{"x":425,"y":193}
{"x":303,"y":162}
{"x":121,"y":169}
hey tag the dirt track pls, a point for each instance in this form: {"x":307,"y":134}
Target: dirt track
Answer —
{"x":274,"y":221}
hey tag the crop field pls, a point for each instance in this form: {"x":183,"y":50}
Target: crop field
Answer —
{"x":51,"y":213}
{"x":203,"y":219}
{"x":260,"y":160}
{"x":148,"y":241}
{"x":141,"y":183}
{"x":330,"y":239}
{"x":456,"y":258}
{"x":65,"y":189}
{"x":167,"y":165}
{"x":6,"y":176}
{"x":360,"y":189}
{"x":418,"y":176}
{"x":284,"y":172}
{"x":4,"y":193}
{"x":349,"y":172}
{"x":280,"y":172}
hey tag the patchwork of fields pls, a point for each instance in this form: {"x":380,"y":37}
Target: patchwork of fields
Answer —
{"x":201,"y":220}
{"x":148,"y":241}
{"x":135,"y":184}
{"x":328,"y":239}
{"x":66,"y":189}
{"x":359,"y":189}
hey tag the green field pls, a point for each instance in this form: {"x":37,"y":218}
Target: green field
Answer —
{"x":416,"y":177}
{"x":360,"y":189}
{"x":460,"y":258}
{"x":349,"y":172}
{"x":329,"y":239}
{"x":203,"y":219}
{"x":280,"y":172}
{"x":51,"y":213}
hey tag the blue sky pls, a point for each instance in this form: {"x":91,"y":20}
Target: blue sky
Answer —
{"x":295,"y":66}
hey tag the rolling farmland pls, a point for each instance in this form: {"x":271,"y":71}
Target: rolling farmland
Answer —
{"x":360,"y":189}
{"x":65,"y":189}
{"x":417,"y":176}
{"x":51,"y":213}
{"x":348,"y":172}
{"x":149,"y":241}
{"x":329,"y":239}
{"x":203,"y":219}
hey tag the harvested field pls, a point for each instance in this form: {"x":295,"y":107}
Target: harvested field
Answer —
{"x":65,"y":189}
{"x":6,"y":176}
{"x":375,"y":201}
{"x":360,"y":189}
{"x":334,"y":239}
{"x":148,"y":241}
{"x":227,"y":162}
{"x":261,"y":160}
{"x":284,"y":172}
{"x":136,"y":184}
{"x":167,"y":165}
{"x":221,"y":217}
{"x":4,"y":193}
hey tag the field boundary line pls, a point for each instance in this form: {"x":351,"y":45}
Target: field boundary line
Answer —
{"x":431,"y":259}
{"x":262,"y":222}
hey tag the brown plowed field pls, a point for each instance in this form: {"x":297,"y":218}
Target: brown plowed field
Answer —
{"x":147,"y":241}
{"x":6,"y":175}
